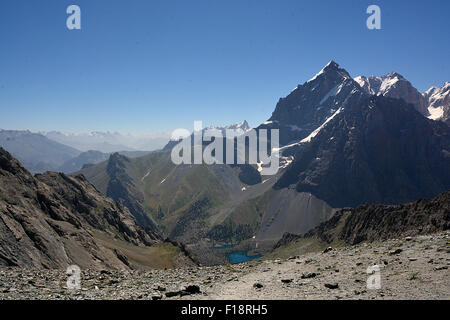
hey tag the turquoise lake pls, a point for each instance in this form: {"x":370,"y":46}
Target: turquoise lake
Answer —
{"x":241,"y":256}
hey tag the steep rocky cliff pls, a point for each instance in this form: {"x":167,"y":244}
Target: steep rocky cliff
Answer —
{"x":51,"y":221}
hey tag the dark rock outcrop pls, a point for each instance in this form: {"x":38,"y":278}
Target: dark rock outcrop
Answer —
{"x":381,"y":222}
{"x":36,"y":152}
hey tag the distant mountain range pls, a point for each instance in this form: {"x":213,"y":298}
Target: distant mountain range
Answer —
{"x":108,"y":142}
{"x":38,"y":153}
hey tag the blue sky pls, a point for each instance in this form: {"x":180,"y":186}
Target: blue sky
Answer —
{"x":152,"y":65}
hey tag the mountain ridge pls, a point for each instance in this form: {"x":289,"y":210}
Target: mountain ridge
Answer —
{"x":379,"y":222}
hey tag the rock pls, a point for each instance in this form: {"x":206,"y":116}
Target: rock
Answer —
{"x":183,"y":293}
{"x":331,"y":285}
{"x":192,"y":289}
{"x":309,"y":275}
{"x":54,"y":216}
{"x":327,"y":249}
{"x":286,"y":280}
{"x":258,"y":285}
{"x":408,"y":238}
{"x":171,"y":294}
{"x":122,"y":257}
{"x":156,"y":297}
{"x":396,"y":251}
{"x":440,"y":268}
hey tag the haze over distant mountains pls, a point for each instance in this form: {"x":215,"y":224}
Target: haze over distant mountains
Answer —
{"x":109,"y":141}
{"x":39,"y":153}
{"x":36,"y":152}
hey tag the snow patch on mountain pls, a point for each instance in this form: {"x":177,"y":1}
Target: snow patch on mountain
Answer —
{"x":315,"y":132}
{"x":438,"y":102}
{"x":435,"y":113}
{"x":312,"y":135}
{"x":330,"y":65}
{"x":332,"y":92}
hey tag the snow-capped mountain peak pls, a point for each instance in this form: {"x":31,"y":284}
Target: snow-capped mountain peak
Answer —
{"x":309,"y":105}
{"x":242,"y":126}
{"x":239,"y":126}
{"x":393,"y":85}
{"x":331,"y":67}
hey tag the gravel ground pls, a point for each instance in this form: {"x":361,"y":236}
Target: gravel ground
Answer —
{"x":409,"y":268}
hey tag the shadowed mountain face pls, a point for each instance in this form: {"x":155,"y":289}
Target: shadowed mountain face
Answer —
{"x":377,"y":150}
{"x":309,"y":105}
{"x":53,"y":220}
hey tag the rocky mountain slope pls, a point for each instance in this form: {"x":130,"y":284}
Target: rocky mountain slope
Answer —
{"x":53,"y":220}
{"x":377,"y":222}
{"x":92,"y":157}
{"x":85,"y":158}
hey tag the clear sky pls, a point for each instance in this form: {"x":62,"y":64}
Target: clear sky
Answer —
{"x":157,"y":65}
